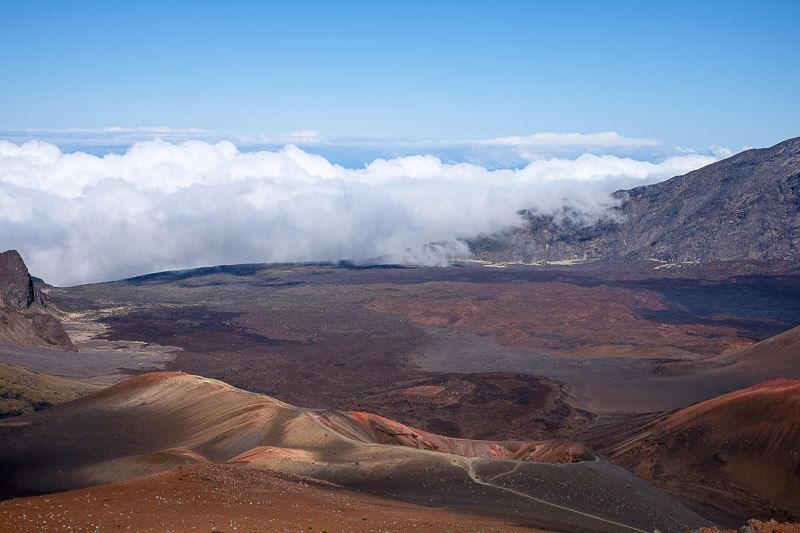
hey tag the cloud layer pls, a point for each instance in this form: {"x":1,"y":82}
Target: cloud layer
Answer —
{"x":77,"y":217}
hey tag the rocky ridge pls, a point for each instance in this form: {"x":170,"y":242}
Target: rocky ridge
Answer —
{"x":746,"y":207}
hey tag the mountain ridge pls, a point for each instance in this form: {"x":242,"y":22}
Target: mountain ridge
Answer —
{"x":745,"y":207}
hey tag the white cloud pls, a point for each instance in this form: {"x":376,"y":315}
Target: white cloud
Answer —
{"x":545,"y":139}
{"x":77,"y":217}
{"x":721,"y":152}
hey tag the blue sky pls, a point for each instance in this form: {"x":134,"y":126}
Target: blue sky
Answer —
{"x":687,"y":73}
{"x":300,"y":131}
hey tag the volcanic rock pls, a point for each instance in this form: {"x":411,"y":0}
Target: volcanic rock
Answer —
{"x":746,"y":207}
{"x":24,"y":317}
{"x":17,"y":290}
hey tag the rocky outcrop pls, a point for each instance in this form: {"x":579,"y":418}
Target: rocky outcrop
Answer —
{"x":24,"y":317}
{"x":746,"y":207}
{"x":17,"y":290}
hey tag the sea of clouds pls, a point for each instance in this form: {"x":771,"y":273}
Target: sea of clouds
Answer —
{"x":169,"y":204}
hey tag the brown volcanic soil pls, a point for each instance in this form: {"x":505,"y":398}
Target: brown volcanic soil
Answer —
{"x":307,"y":350}
{"x":757,"y":526}
{"x":738,"y":454}
{"x":312,"y":335}
{"x":231,"y":497}
{"x":161,"y":421}
{"x":767,"y":358}
{"x":521,"y":405}
{"x":563,"y":317}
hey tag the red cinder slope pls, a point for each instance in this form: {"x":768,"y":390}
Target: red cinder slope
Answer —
{"x":737,"y":451}
{"x":369,"y":427}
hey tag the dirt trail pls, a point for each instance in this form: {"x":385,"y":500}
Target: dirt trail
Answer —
{"x":470,"y":469}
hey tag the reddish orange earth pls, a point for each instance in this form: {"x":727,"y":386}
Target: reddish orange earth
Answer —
{"x":227,"y":498}
{"x":757,"y":526}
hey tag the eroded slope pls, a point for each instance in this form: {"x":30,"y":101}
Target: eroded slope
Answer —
{"x":159,"y":421}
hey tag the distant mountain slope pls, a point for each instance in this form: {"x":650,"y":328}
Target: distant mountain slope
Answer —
{"x":24,"y":317}
{"x":744,"y":207}
{"x":737,"y":451}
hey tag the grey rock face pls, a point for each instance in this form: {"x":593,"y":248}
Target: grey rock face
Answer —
{"x":16,"y":285}
{"x":24,"y":319}
{"x":742,"y":208}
